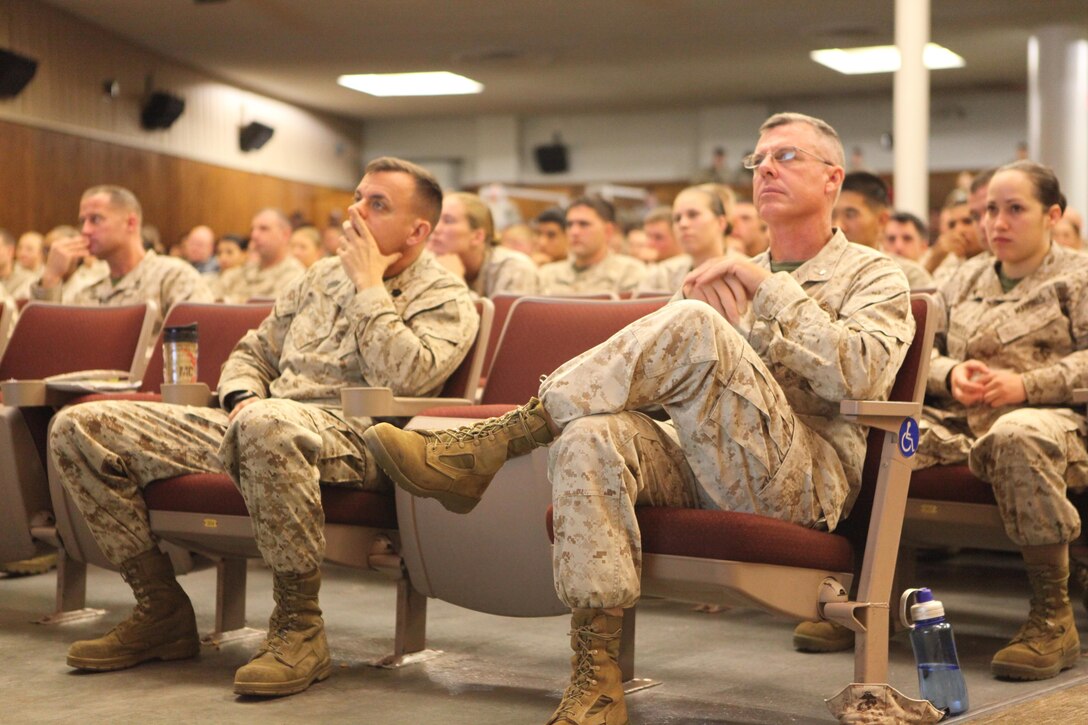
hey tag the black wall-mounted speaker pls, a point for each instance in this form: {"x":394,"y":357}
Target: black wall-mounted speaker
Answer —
{"x":254,"y":135}
{"x":552,"y":158}
{"x":15,"y":72}
{"x":161,"y":110}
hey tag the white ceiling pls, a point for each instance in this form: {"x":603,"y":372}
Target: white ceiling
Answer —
{"x":565,"y":55}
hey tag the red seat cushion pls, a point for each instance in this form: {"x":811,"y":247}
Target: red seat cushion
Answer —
{"x":733,"y":536}
{"x":215,"y":493}
{"x":950,"y":483}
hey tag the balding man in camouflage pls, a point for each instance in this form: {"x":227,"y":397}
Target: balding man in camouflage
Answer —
{"x":274,"y":268}
{"x":750,"y":368}
{"x":383,"y":313}
{"x":110,"y":219}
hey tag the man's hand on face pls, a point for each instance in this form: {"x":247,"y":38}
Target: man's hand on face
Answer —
{"x":359,"y":253}
{"x":62,"y":254}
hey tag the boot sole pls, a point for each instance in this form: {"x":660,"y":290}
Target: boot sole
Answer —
{"x":276,"y":689}
{"x":456,"y":503}
{"x":1010,"y":671}
{"x":30,"y":567}
{"x":179,"y":650}
{"x":808,"y":644}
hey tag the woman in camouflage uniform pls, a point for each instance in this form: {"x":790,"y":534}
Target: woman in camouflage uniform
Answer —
{"x":1015,"y":349}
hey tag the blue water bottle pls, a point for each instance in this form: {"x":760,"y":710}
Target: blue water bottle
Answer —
{"x":939,"y":677}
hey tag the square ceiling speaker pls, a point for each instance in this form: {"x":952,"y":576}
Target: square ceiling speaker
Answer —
{"x":15,"y":72}
{"x":161,"y":110}
{"x":254,"y":135}
{"x":552,"y":158}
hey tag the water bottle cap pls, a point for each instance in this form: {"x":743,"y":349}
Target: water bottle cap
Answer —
{"x":926,"y":607}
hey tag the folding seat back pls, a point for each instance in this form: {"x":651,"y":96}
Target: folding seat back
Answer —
{"x":501,"y":562}
{"x":50,"y":339}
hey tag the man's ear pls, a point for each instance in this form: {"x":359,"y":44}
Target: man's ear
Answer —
{"x":421,"y":230}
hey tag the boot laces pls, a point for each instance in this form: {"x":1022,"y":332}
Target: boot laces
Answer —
{"x":1040,"y":624}
{"x":478,"y":431}
{"x":584,"y":676}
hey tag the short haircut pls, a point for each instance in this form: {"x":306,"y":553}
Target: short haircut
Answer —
{"x":658,"y":214}
{"x":309,"y":232}
{"x":282,"y":218}
{"x":242,"y":242}
{"x":603,"y":209}
{"x":870,"y":186}
{"x":428,"y":190}
{"x":829,"y":134}
{"x":956,"y":197}
{"x":63,"y":231}
{"x":982,"y":179}
{"x":552,"y":215}
{"x":119,"y":197}
{"x":905,"y":217}
{"x":1044,"y":182}
{"x":477,"y":213}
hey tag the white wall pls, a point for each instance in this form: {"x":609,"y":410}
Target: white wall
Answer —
{"x":66,"y":94}
{"x":967,"y":131}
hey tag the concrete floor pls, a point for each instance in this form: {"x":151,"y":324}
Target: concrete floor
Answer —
{"x":729,"y":667}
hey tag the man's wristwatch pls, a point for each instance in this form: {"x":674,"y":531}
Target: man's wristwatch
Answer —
{"x":232,"y":400}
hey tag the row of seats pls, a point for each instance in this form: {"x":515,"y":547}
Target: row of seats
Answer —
{"x":700,"y":556}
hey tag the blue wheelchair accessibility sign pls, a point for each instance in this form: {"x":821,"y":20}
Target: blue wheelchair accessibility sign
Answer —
{"x":908,"y":437}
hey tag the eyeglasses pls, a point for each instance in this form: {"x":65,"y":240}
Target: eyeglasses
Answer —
{"x":781,"y":155}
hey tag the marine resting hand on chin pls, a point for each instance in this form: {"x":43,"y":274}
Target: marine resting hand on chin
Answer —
{"x":363,"y":261}
{"x":727,"y":285}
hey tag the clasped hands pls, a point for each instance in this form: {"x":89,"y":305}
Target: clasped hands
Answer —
{"x":363,"y":260}
{"x":727,"y":285}
{"x":973,"y":382}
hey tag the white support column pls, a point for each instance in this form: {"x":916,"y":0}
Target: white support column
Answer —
{"x":910,"y":108}
{"x":1058,"y":107}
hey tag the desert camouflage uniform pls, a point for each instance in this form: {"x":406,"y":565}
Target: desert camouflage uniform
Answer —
{"x":505,"y":271}
{"x":163,"y":280}
{"x":668,"y":276}
{"x":754,"y":414}
{"x":917,"y":276}
{"x":249,"y":281}
{"x":18,"y":282}
{"x":321,"y":336}
{"x":614,"y":273}
{"x":1030,"y":453}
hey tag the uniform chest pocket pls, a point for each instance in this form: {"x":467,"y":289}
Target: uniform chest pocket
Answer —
{"x":313,"y":325}
{"x":1040,"y":321}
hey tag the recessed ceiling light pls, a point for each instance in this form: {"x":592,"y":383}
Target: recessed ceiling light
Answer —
{"x":882,"y":59}
{"x":438,"y":83}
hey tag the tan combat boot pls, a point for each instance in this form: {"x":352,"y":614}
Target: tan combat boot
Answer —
{"x":455,"y":466}
{"x":822,"y":637}
{"x":295,"y":653}
{"x":1048,"y":642}
{"x":161,"y":627}
{"x":595,"y":693}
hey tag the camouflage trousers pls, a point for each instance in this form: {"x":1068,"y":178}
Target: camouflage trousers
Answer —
{"x":734,"y":444}
{"x":1031,"y":456}
{"x":276,"y":451}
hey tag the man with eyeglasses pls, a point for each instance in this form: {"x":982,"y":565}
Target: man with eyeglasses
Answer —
{"x":750,"y":361}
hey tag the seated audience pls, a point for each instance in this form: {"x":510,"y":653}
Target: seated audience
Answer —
{"x":14,"y":279}
{"x":750,"y":368}
{"x":518,"y":238}
{"x":862,"y":213}
{"x":29,"y":253}
{"x":960,"y":238}
{"x":906,"y":236}
{"x":198,"y":249}
{"x":592,"y":266}
{"x":388,"y":315}
{"x":230,"y":252}
{"x":465,"y":236}
{"x":1017,"y":333}
{"x":274,"y":267}
{"x":1067,"y":234}
{"x":550,"y":242}
{"x":306,"y":245}
{"x":110,"y":217}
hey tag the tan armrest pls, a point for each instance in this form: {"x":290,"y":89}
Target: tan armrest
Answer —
{"x":882,"y":414}
{"x":1080,"y":395}
{"x":33,"y":394}
{"x":196,"y":394}
{"x":381,"y":403}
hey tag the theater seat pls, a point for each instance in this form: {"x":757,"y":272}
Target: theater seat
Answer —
{"x":206,"y":513}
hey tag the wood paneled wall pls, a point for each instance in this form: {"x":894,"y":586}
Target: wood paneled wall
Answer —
{"x":43,"y":173}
